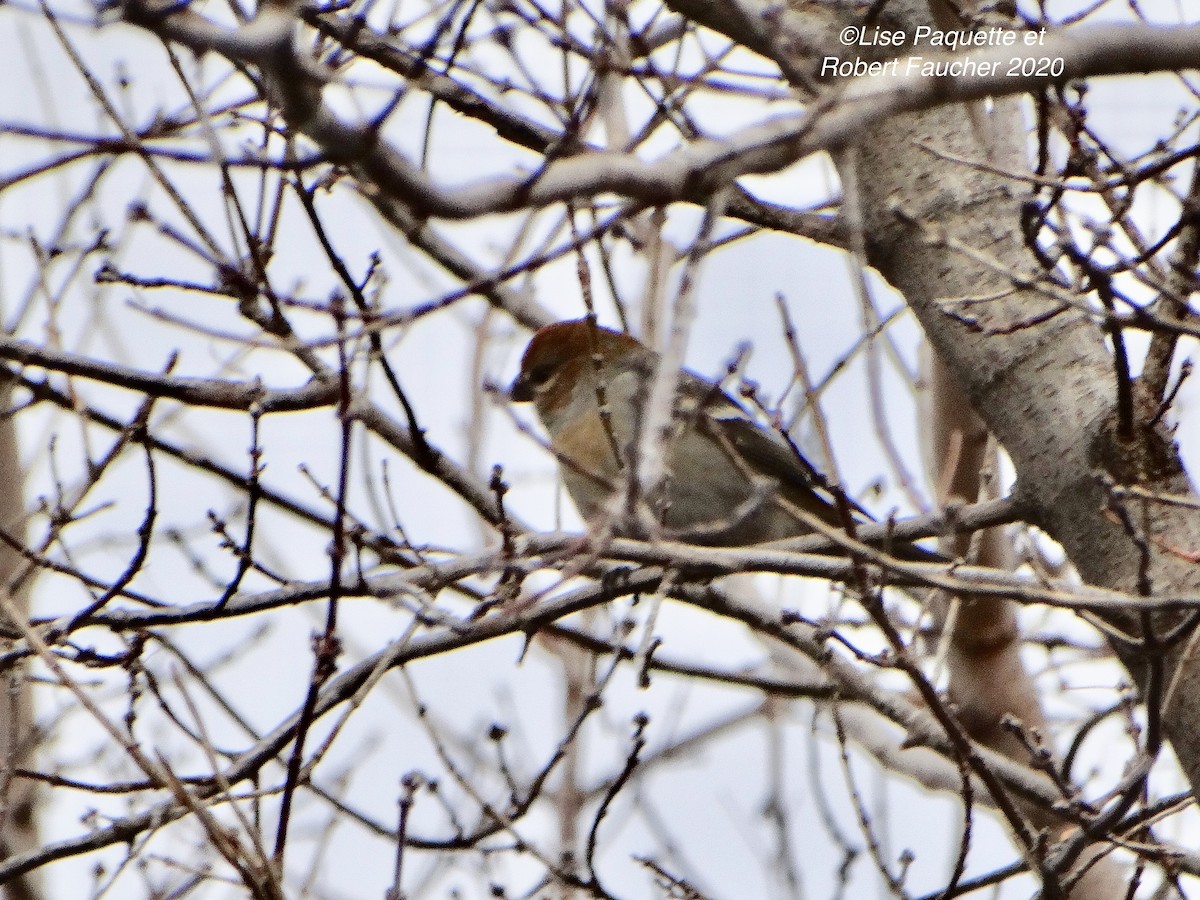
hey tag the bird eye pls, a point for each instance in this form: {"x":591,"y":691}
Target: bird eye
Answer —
{"x":539,"y":375}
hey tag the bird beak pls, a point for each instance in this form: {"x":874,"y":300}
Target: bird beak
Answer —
{"x":520,"y":391}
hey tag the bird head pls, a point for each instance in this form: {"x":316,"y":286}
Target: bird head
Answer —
{"x":564,"y":361}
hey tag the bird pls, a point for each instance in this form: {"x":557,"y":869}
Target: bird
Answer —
{"x":728,"y":480}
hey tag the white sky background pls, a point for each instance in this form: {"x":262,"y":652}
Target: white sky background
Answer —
{"x":711,"y":805}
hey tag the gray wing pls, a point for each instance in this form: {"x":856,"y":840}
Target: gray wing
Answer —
{"x":764,"y":449}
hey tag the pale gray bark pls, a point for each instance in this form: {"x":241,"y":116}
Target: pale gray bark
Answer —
{"x":18,"y":739}
{"x":1045,"y":389}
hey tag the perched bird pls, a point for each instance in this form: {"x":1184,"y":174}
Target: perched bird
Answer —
{"x":728,"y":480}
